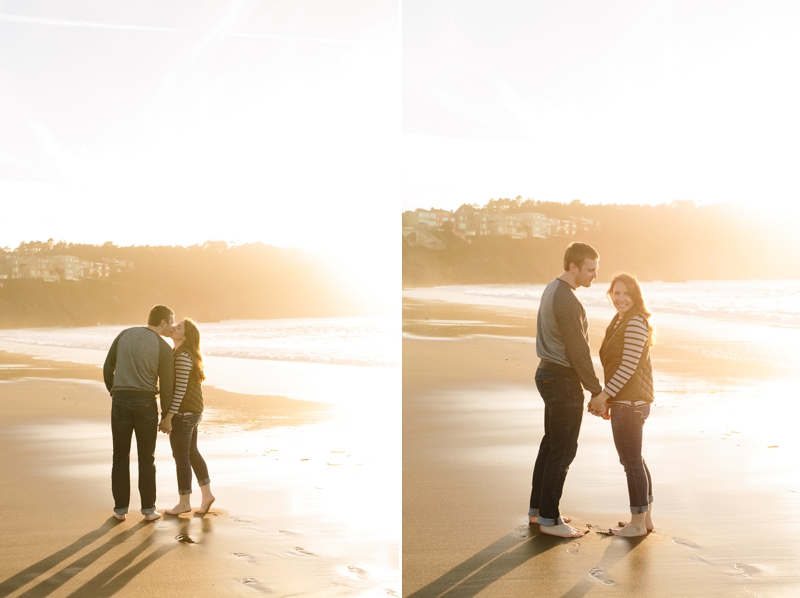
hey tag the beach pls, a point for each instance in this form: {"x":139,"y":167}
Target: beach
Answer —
{"x":301,"y":505}
{"x":720,"y":444}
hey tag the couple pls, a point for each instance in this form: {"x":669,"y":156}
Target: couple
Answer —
{"x":562,"y":344}
{"x":139,"y":365}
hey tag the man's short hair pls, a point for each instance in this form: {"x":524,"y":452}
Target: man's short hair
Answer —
{"x":158,"y":314}
{"x":576,"y":253}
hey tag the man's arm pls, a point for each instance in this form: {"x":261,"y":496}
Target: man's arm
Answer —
{"x":166,"y":376}
{"x":110,"y":366}
{"x":569,"y":316}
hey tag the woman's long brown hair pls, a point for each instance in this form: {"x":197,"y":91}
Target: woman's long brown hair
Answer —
{"x":630,"y":281}
{"x":191,"y":343}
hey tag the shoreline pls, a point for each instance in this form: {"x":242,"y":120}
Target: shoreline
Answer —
{"x":472,"y":423}
{"x":278,"y":468}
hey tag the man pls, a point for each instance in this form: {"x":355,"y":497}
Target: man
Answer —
{"x":562,"y":344}
{"x":138,"y":362}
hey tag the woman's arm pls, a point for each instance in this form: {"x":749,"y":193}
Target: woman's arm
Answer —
{"x":637,"y":333}
{"x":183,"y":367}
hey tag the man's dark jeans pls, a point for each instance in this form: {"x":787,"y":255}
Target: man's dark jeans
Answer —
{"x":131,"y":415}
{"x":183,"y":440}
{"x":563,"y":412}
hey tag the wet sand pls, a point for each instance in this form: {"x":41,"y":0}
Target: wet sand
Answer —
{"x":284,"y":523}
{"x":727,"y":507}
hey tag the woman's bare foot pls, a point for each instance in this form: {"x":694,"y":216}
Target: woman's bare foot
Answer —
{"x":208,"y":499}
{"x":120,"y":517}
{"x":183,"y":506}
{"x":561,"y":530}
{"x":636,"y":527}
{"x":648,"y":520}
{"x":152,"y":516}
{"x":206,"y":505}
{"x":535,"y":519}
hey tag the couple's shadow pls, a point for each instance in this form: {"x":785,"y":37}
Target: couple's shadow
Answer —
{"x":500,"y":558}
{"x":105,"y":582}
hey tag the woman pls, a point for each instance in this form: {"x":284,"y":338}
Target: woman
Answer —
{"x":628,"y":393}
{"x":185,"y":415}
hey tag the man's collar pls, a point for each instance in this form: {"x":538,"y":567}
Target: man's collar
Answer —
{"x":567,"y":282}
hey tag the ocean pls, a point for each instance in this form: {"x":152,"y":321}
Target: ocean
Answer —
{"x":754,"y":320}
{"x":771,"y":302}
{"x":332,"y":360}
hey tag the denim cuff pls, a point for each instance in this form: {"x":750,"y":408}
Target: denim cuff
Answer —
{"x":182,"y":492}
{"x":123,"y":511}
{"x":204,"y":482}
{"x":638,"y":510}
{"x":149,"y":511}
{"x":533,"y":512}
{"x":649,"y":499}
{"x":546,"y":521}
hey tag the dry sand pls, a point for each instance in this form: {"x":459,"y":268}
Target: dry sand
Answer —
{"x":275,"y":528}
{"x":727,"y":507}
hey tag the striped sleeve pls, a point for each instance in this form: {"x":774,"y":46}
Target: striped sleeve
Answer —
{"x":183,"y":367}
{"x":637,"y":334}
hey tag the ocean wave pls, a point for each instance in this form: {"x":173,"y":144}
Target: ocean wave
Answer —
{"x":363,"y":342}
{"x":770,"y":302}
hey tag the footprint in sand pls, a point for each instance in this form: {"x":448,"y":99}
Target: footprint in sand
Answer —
{"x":302,"y":551}
{"x":524,"y":531}
{"x":241,"y":520}
{"x":183,"y":538}
{"x":390,"y":592}
{"x":686,"y":543}
{"x":245,"y":557}
{"x":600,"y":575}
{"x":357,"y":571}
{"x":286,"y":532}
{"x":746,"y":570}
{"x":699,"y":558}
{"x":573,"y":547}
{"x":252,"y":583}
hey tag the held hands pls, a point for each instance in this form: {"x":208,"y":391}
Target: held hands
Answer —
{"x":598,"y":406}
{"x":166,"y":424}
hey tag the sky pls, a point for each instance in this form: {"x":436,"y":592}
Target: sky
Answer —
{"x":620,"y":101}
{"x":172,"y":122}
{"x":313,"y":123}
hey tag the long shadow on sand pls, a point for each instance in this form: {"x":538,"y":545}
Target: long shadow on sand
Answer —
{"x":105,"y":583}
{"x":15,"y":582}
{"x":503,"y":556}
{"x":490,"y":564}
{"x":613,"y":554}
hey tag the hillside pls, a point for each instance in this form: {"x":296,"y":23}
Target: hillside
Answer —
{"x":677,"y":241}
{"x":208,"y":282}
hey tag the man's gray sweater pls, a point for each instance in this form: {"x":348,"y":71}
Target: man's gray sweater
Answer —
{"x":138,"y":361}
{"x":562,"y":333}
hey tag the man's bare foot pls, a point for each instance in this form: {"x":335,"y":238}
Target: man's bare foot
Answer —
{"x":120,"y":517}
{"x":152,"y":516}
{"x":535,"y":519}
{"x":181,"y":507}
{"x":206,"y":504}
{"x":561,"y":530}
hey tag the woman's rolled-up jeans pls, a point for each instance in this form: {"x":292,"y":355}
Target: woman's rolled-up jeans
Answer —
{"x":627,"y":423}
{"x":183,"y":440}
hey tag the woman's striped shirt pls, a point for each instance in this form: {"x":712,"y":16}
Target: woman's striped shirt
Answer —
{"x":637,"y":334}
{"x":183,"y":367}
